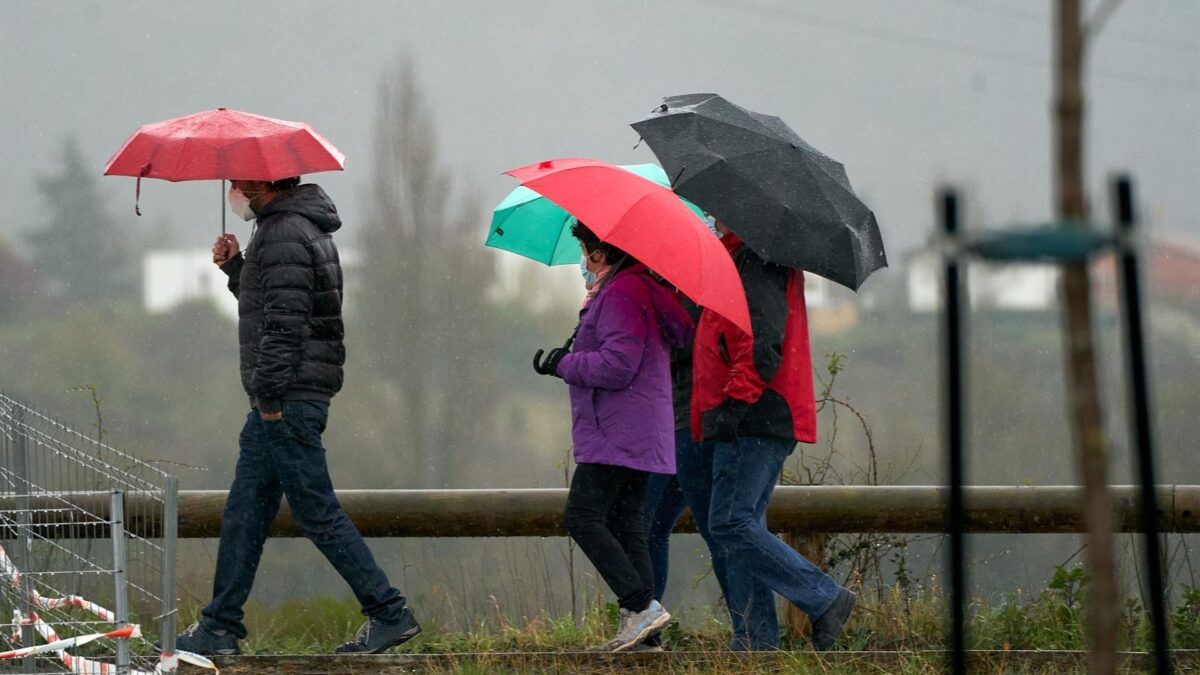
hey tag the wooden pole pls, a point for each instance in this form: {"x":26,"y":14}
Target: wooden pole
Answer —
{"x":812,"y":546}
{"x":1088,"y":435}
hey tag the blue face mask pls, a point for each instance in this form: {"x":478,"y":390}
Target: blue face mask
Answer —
{"x":589,"y":277}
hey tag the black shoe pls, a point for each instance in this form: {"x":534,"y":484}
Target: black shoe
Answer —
{"x":377,"y":636}
{"x":825,"y":630}
{"x":205,"y":641}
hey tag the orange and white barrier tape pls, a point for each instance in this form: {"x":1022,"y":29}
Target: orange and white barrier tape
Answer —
{"x":77,"y":664}
{"x":9,"y":569}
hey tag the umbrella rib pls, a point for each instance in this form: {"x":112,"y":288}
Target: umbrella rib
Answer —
{"x":558,"y":239}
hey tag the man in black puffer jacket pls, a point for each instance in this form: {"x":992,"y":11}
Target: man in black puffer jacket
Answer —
{"x":289,"y":289}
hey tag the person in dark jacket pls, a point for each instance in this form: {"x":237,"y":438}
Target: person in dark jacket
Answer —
{"x":755,"y":626}
{"x":618,"y":370}
{"x":752,"y":401}
{"x":288,"y":283}
{"x":664,"y":499}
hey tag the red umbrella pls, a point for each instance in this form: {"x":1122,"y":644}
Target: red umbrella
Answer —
{"x":649,"y":222}
{"x":224,"y":144}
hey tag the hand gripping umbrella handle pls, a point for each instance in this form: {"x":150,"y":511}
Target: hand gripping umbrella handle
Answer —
{"x":540,"y":364}
{"x":537,"y":358}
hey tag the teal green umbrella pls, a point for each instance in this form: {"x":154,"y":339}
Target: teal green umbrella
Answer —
{"x":528,"y":224}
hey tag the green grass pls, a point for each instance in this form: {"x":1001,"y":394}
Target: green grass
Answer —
{"x":896,"y":620}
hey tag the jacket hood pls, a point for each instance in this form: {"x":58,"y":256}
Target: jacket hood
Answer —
{"x":310,"y":201}
{"x":674,"y":322}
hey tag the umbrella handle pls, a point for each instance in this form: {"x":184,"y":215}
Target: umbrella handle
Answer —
{"x":222,"y":207}
{"x":537,"y":358}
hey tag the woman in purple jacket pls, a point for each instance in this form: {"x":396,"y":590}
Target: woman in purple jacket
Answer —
{"x":622,"y":423}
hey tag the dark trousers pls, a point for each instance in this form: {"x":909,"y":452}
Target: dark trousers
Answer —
{"x":604,"y":517}
{"x":287,"y":458}
{"x":664,"y":505}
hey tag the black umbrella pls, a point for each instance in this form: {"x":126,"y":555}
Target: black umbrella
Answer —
{"x":789,"y":202}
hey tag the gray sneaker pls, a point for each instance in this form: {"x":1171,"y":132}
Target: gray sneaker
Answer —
{"x":376,"y":636}
{"x":205,"y":641}
{"x":827,"y":628}
{"x":640,"y":625}
{"x":622,"y":619}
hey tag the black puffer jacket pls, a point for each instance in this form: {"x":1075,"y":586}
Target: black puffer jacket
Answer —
{"x":289,"y":288}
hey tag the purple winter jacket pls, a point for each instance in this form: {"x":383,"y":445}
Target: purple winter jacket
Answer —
{"x":620,"y":374}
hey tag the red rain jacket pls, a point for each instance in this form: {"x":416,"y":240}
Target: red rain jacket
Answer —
{"x":760,"y":386}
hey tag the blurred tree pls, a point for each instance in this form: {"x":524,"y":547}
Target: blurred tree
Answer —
{"x":20,"y":284}
{"x":421,"y":296}
{"x":79,"y":248}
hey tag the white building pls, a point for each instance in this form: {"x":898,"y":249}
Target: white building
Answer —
{"x":820,"y":293}
{"x":174,"y":277}
{"x":538,"y":286}
{"x":1015,"y":287}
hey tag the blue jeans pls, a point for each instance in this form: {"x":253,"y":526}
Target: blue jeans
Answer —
{"x":287,"y":458}
{"x":664,"y":505}
{"x":745,"y":471}
{"x":750,"y":601}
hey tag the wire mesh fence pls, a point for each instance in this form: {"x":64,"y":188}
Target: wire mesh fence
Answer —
{"x":87,"y":551}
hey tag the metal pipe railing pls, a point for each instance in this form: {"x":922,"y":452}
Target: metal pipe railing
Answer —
{"x":794,"y":509}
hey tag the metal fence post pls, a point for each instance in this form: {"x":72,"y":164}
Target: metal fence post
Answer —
{"x":954,"y":412}
{"x":1140,"y":407}
{"x":170,"y":542}
{"x":24,"y":558}
{"x":120,"y":582}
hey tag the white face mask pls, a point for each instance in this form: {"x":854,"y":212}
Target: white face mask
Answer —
{"x":240,"y":203}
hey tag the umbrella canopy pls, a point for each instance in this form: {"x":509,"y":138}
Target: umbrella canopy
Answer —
{"x":224,"y":144}
{"x":789,"y":202}
{"x":647,"y":221}
{"x":528,"y":224}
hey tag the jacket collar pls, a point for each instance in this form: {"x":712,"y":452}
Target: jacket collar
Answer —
{"x":636,"y":268}
{"x":731,"y":242}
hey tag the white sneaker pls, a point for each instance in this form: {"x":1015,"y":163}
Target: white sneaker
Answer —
{"x":639,"y":625}
{"x":622,"y":620}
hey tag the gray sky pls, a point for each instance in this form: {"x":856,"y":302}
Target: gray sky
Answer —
{"x":906,"y":94}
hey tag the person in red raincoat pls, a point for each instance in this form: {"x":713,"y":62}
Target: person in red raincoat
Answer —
{"x":752,"y":401}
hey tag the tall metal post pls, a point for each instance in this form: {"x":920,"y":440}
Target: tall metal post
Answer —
{"x":24,"y":558}
{"x":120,"y":581}
{"x":170,"y":541}
{"x":954,"y":405}
{"x":1140,"y":408}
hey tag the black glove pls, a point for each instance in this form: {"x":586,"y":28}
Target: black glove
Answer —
{"x":722,"y":422}
{"x":549,"y":365}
